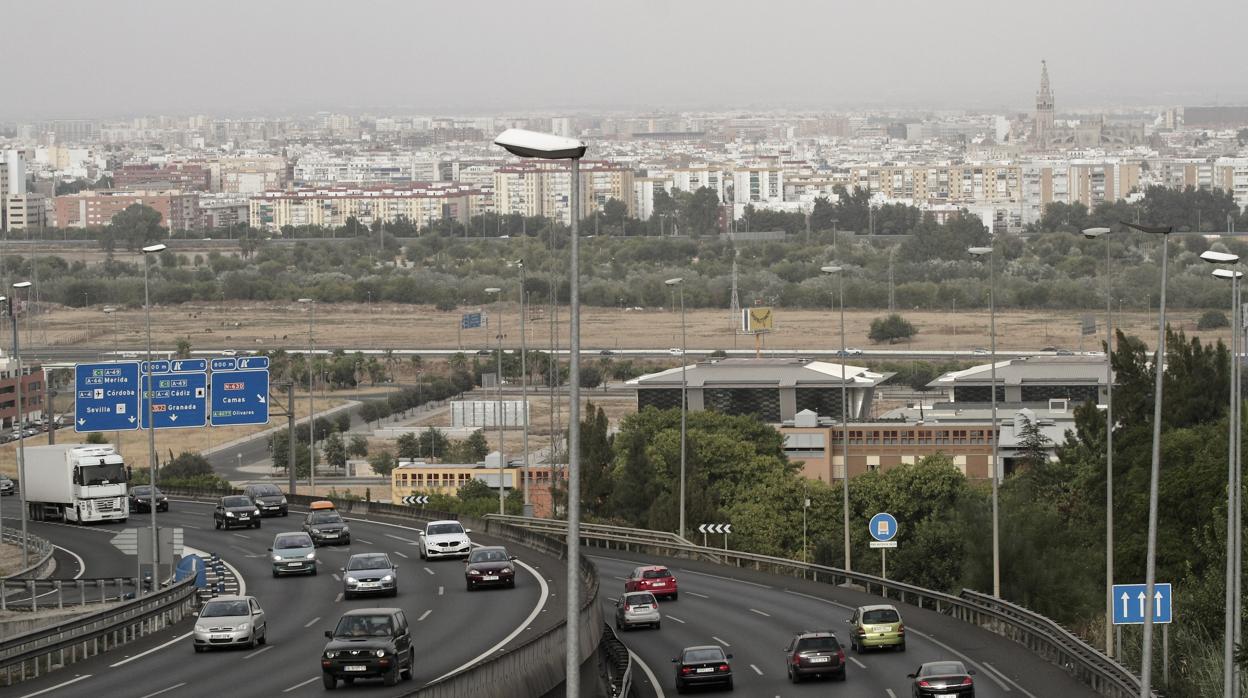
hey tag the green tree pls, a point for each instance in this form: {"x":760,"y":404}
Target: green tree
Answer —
{"x":357,"y":446}
{"x":891,"y":329}
{"x":433,"y":444}
{"x":335,"y":450}
{"x":701,"y":212}
{"x":136,"y":226}
{"x":595,"y":461}
{"x":184,"y":348}
{"x":409,"y":446}
{"x":1212,"y":320}
{"x":186,"y":466}
{"x":382,"y":463}
{"x":96,"y":437}
{"x":475,"y":447}
{"x":1034,"y":446}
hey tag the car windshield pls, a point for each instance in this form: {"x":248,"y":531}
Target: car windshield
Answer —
{"x":237,"y":502}
{"x":368,"y":562}
{"x":488,"y":556}
{"x":288,"y":542}
{"x":441,"y":529}
{"x":140,"y":490}
{"x":266,"y":490}
{"x":220,"y":609}
{"x":817,"y":643}
{"x":655,"y":574}
{"x":320,"y":517}
{"x":710,"y":654}
{"x":881,"y":615}
{"x":363,"y":626}
{"x":106,"y":474}
{"x":942,"y":669}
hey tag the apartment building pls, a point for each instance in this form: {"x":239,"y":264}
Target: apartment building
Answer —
{"x":87,"y":209}
{"x":364,"y":169}
{"x":757,"y":184}
{"x":249,"y":174}
{"x":25,"y":212}
{"x":421,"y":477}
{"x":183,"y":176}
{"x":545,"y":188}
{"x":33,"y":387}
{"x":422,"y":204}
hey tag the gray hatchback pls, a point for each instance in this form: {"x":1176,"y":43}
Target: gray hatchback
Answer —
{"x":370,"y":573}
{"x":293,"y":553}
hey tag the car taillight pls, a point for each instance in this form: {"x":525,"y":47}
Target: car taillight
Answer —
{"x":797,"y":659}
{"x":900,"y":628}
{"x":628,"y":607}
{"x":840,"y":655}
{"x":723,"y":667}
{"x":685,"y":669}
{"x":924,"y":683}
{"x":967,"y":681}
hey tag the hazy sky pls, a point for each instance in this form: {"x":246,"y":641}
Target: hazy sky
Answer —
{"x":73,"y":58}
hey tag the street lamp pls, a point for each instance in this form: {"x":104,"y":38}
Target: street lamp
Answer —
{"x":840,"y":285}
{"x":524,"y":392}
{"x":1092,"y":234}
{"x":1232,"y":528}
{"x":1150,"y":572}
{"x":684,"y":397}
{"x":116,"y":356}
{"x":498,"y":393}
{"x":528,"y":144}
{"x":151,"y":422}
{"x":21,"y":442}
{"x":311,"y":398}
{"x":995,"y":431}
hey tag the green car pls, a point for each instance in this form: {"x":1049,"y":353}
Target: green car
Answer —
{"x":877,"y":626}
{"x":293,"y":553}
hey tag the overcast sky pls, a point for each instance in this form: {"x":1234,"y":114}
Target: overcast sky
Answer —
{"x":96,"y":58}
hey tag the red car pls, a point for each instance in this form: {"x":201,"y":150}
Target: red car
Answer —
{"x":656,"y":579}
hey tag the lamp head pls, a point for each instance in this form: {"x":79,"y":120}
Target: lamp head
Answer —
{"x":547,"y":146}
{"x":1219,"y":257}
{"x":1165,"y":230}
{"x":22,"y":284}
{"x":1093,"y":233}
{"x":675,"y":282}
{"x":154,"y":248}
{"x":492,"y":290}
{"x":1227,"y":274}
{"x":831,"y":269}
{"x":306,"y":300}
{"x":110,"y":309}
{"x":979,"y":251}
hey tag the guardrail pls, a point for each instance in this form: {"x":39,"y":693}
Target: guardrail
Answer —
{"x":1039,"y":634}
{"x":24,"y":594}
{"x":38,"y":652}
{"x":619,"y":663}
{"x":37,"y":549}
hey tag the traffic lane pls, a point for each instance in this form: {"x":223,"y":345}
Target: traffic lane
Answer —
{"x":1000,"y":663}
{"x":84,"y":549}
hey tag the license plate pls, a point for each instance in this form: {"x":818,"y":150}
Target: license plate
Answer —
{"x":369,"y":585}
{"x":330,"y":535}
{"x":946,"y":695}
{"x":705,"y":670}
{"x":220,"y":636}
{"x":490,"y":578}
{"x":819,"y":660}
{"x":355,"y":667}
{"x":293,"y":564}
{"x":658,"y":584}
{"x":244,"y":517}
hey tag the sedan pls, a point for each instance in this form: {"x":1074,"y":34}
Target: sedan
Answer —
{"x":704,"y":665}
{"x":236,"y":510}
{"x":370,"y":573}
{"x":947,"y":679}
{"x":637,"y":608}
{"x":489,"y":566}
{"x":447,"y":538}
{"x":293,"y":553}
{"x":230,"y":620}
{"x":652,"y":578}
{"x":141,"y":499}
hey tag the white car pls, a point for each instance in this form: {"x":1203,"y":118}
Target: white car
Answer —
{"x":676,"y":351}
{"x":444,"y":539}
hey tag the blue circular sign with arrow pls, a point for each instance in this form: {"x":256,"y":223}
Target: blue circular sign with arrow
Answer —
{"x":883,"y":527}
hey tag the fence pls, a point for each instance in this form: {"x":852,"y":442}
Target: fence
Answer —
{"x":29,"y":594}
{"x":37,"y":549}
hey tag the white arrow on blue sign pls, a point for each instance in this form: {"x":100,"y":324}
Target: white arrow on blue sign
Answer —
{"x":106,"y":396}
{"x":240,"y":397}
{"x":883,"y":527}
{"x":179,"y":400}
{"x":1131,"y":602}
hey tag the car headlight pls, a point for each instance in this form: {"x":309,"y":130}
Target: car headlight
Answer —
{"x":508,"y":569}
{"x":310,"y":556}
{"x":346,"y":529}
{"x":380,"y":653}
{"x":388,"y":578}
{"x":201,"y":628}
{"x":474,"y":572}
{"x":350,"y":580}
{"x":229,"y":514}
{"x":330,"y":654}
{"x":242,"y":626}
{"x":277,"y":558}
{"x":283,"y":501}
{"x":256,"y":512}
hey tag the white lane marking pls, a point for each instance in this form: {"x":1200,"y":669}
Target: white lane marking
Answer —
{"x":622,"y":579}
{"x":676,"y":619}
{"x":612,"y":599}
{"x":336,"y":577}
{"x":266,"y":648}
{"x":761,"y":613}
{"x":440,"y":590}
{"x":312,"y":622}
{"x":756,"y":670}
{"x":82,"y":566}
{"x":654,"y":682}
{"x":431,"y":572}
{"x":242,"y":583}
{"x":727,"y":579}
{"x":700,"y":596}
{"x":725,"y":644}
{"x":338,"y":598}
{"x":409,"y":541}
{"x":860,"y":664}
{"x":890,"y":693}
{"x":49,"y":689}
{"x":1002,"y":675}
{"x":243,"y":535}
{"x":300,"y":685}
{"x":365,"y":542}
{"x":166,"y":690}
{"x":425,"y":614}
{"x":537,"y":610}
{"x":400,"y":554}
{"x":961,"y":656}
{"x":157,"y":648}
{"x":186,"y":525}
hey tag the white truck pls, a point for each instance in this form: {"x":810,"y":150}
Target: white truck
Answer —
{"x":76,"y":482}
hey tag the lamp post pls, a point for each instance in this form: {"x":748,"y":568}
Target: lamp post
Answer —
{"x":1232,"y":420}
{"x":1150,"y":572}
{"x":527,"y":144}
{"x":1092,"y":234}
{"x":21,"y":442}
{"x":679,"y":282}
{"x":524,"y":393}
{"x":151,"y":423}
{"x":996,"y":466}
{"x":116,"y":355}
{"x":840,"y":285}
{"x":498,"y":394}
{"x":311,"y":398}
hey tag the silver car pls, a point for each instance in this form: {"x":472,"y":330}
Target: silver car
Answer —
{"x":370,"y":573}
{"x":637,"y":608}
{"x":293,"y":553}
{"x":229,"y":621}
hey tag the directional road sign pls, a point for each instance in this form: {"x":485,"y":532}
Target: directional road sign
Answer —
{"x":107,"y":396}
{"x":160,"y":366}
{"x":252,"y":363}
{"x":224,"y":364}
{"x":416,"y":499}
{"x":240,"y":397}
{"x":179,"y":400}
{"x":883,"y":527}
{"x":187,"y":365}
{"x":1131,"y":603}
{"x":715,"y":528}
{"x":470,"y":321}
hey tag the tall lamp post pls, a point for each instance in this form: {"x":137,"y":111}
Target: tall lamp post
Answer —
{"x":524,"y":393}
{"x":1229,"y":677}
{"x":840,"y":286}
{"x":151,"y":423}
{"x":498,"y":395}
{"x":311,"y":398}
{"x":21,"y":442}
{"x":1150,"y":572}
{"x":528,"y":144}
{"x":1092,"y":234}
{"x":116,"y":356}
{"x":995,"y":431}
{"x":679,"y":283}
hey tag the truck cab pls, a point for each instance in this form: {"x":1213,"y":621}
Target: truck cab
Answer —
{"x":77,"y":482}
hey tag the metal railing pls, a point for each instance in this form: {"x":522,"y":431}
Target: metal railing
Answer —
{"x":619,"y":663}
{"x":37,"y":549}
{"x":30,"y":594}
{"x":1039,"y":634}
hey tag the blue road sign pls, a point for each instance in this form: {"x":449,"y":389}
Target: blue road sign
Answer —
{"x":883,"y":527}
{"x":1131,"y":603}
{"x":240,"y":397}
{"x":179,"y":400}
{"x":188,"y":365}
{"x":224,"y":364}
{"x":158,"y":366}
{"x":470,"y":321}
{"x":253,"y":363}
{"x":106,"y":396}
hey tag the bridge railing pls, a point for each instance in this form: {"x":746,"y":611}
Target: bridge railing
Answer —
{"x":38,"y":550}
{"x":36,"y":594}
{"x":1039,"y":634}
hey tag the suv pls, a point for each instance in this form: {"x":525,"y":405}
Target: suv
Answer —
{"x":269,"y":500}
{"x":326,"y":526}
{"x":877,"y":626}
{"x":655,"y":579}
{"x":368,"y":643}
{"x":236,"y":510}
{"x":814,"y":653}
{"x":637,"y":608}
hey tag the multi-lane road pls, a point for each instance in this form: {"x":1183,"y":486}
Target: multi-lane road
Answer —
{"x":451,"y":627}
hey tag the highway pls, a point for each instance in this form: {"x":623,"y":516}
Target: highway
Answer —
{"x":450,"y":626}
{"x":754,"y":615}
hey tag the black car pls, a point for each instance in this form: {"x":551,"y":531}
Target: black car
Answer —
{"x":489,"y":566}
{"x":236,"y":510}
{"x":326,"y":526}
{"x":141,"y":499}
{"x":368,"y":643}
{"x":814,"y":653}
{"x":704,"y":665}
{"x":269,"y":500}
{"x":945,"y":678}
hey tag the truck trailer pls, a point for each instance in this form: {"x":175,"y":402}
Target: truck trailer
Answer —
{"x":76,"y":482}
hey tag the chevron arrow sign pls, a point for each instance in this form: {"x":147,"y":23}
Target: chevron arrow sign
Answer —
{"x":715,"y":528}
{"x":416,"y":499}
